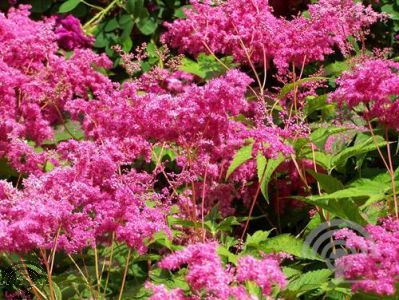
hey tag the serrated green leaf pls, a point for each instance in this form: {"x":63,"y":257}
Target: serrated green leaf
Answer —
{"x":255,"y":240}
{"x":6,"y":171}
{"x":340,"y":159}
{"x":40,"y":6}
{"x":179,"y":13}
{"x":344,"y":206}
{"x":265,"y":171}
{"x":328,"y":183}
{"x":243,"y":155}
{"x":391,"y":11}
{"x":288,"y":244}
{"x":309,"y":280}
{"x":69,"y":130}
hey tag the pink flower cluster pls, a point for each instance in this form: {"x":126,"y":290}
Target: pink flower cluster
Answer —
{"x":375,"y":268}
{"x":205,"y":272}
{"x":74,"y":207}
{"x":36,"y":83}
{"x":93,"y":192}
{"x":199,"y":120}
{"x":250,"y":31}
{"x":374,"y":84}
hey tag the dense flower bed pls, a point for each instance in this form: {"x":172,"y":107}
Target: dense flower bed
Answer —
{"x":186,"y":175}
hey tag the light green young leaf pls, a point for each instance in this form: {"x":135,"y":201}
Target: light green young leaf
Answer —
{"x":206,"y":66}
{"x":288,"y":244}
{"x":255,"y":240}
{"x":68,"y":6}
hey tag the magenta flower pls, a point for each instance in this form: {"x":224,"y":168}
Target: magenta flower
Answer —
{"x":70,"y":34}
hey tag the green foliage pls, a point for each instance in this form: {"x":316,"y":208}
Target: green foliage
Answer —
{"x":266,"y":168}
{"x":207,"y":67}
{"x":350,"y":182}
{"x":243,"y":155}
{"x":286,"y":243}
{"x":295,"y":85}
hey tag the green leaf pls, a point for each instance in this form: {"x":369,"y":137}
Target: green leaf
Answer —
{"x":68,"y":6}
{"x":40,"y":6}
{"x":313,"y":104}
{"x":336,"y":68}
{"x":206,"y":66}
{"x":255,"y":240}
{"x":111,"y":25}
{"x":124,"y":19}
{"x":291,"y":86}
{"x":147,"y":26}
{"x":320,"y":135}
{"x":328,"y":183}
{"x":56,"y":291}
{"x":127,"y":28}
{"x":226,"y":225}
{"x":309,"y":280}
{"x":6,"y":171}
{"x":127,"y":44}
{"x":340,"y":159}
{"x":361,"y":190}
{"x":179,"y":13}
{"x":69,"y":130}
{"x":163,"y":239}
{"x":341,"y":204}
{"x":320,"y":158}
{"x":288,"y":244}
{"x":182,"y":222}
{"x":134,"y":7}
{"x":101,"y":41}
{"x":224,"y":252}
{"x":261,"y":163}
{"x":271,"y":166}
{"x":243,"y":155}
{"x":390,"y":10}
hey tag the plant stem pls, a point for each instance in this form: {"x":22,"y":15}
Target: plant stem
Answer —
{"x":203,"y":205}
{"x":98,"y":17}
{"x":125,"y":274}
{"x":253,"y":203}
{"x":392,"y":174}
